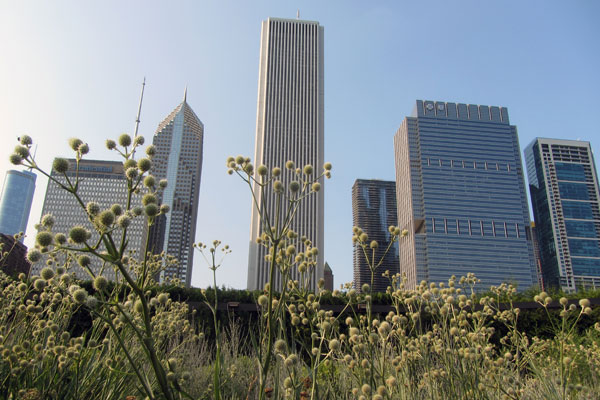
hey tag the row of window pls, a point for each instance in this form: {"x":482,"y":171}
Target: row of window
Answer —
{"x":474,"y":227}
{"x":484,"y":165}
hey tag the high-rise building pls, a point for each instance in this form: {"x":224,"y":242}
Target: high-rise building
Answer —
{"x":178,"y":141}
{"x":564,"y":192}
{"x":289,"y":126}
{"x":374,"y":210}
{"x":17,"y":195}
{"x":103,"y":182}
{"x":461,"y":195}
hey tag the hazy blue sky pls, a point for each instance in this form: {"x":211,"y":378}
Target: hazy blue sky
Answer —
{"x":74,"y":68}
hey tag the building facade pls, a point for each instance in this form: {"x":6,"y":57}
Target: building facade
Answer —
{"x":460,"y":192}
{"x":374,"y":210}
{"x":178,"y":141}
{"x":289,"y":126}
{"x":564,"y":192}
{"x":15,"y":262}
{"x":15,"y":205}
{"x":102,"y":182}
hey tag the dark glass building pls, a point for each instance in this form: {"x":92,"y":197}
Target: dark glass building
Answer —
{"x":17,"y":195}
{"x":461,"y":194}
{"x":374,"y":210}
{"x":564,"y":192}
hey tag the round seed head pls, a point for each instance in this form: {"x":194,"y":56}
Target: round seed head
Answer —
{"x":124,"y":140}
{"x":150,"y":151}
{"x":25,"y":140}
{"x":308,"y":169}
{"x":294,"y":186}
{"x":106,"y":218}
{"x":138,"y":140}
{"x":149,"y":181}
{"x":74,"y":143}
{"x":290,"y":165}
{"x":240,"y":159}
{"x":80,"y":296}
{"x":280,"y":345}
{"x":83,"y":148}
{"x":374,"y":244}
{"x":584,"y":303}
{"x":262,"y":170}
{"x":84,"y":260}
{"x":276,"y":171}
{"x":39,"y":284}
{"x":60,"y":165}
{"x":149,"y":198}
{"x":129,"y":164}
{"x":15,"y":159}
{"x":124,"y":221}
{"x":278,"y":186}
{"x":47,"y":273}
{"x":327,"y":166}
{"x":163,"y":298}
{"x":334,"y":344}
{"x":48,"y":220}
{"x":263,"y":300}
{"x":22,"y":151}
{"x":78,"y":234}
{"x":34,"y":255}
{"x":44,"y":238}
{"x":164,"y":208}
{"x":110,"y":144}
{"x":144,"y":164}
{"x":162,"y":183}
{"x":93,"y":208}
{"x":116,"y":209}
{"x":316,"y":187}
{"x":131,"y":173}
{"x":151,"y":210}
{"x":137,"y":211}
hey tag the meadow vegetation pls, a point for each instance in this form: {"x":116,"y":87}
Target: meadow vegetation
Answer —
{"x":64,"y":339}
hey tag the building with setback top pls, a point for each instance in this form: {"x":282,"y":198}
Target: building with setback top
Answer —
{"x":178,"y":141}
{"x":289,"y":126}
{"x":15,"y":204}
{"x":461,"y":194}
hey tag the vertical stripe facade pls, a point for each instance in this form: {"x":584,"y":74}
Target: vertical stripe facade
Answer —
{"x":289,"y":126}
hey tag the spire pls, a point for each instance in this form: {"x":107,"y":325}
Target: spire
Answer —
{"x":185,"y":94}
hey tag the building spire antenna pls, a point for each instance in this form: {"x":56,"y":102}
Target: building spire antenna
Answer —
{"x":185,"y":94}
{"x":297,"y":13}
{"x":137,"y":119}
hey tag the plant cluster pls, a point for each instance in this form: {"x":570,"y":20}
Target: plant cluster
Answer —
{"x":63,"y":339}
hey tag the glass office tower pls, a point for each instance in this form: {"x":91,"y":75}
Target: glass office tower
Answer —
{"x":17,"y":195}
{"x":564,"y":192}
{"x":374,"y":210}
{"x":460,"y":192}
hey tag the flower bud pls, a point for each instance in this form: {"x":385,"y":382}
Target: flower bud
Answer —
{"x":74,"y":143}
{"x":124,"y":140}
{"x":60,"y":165}
{"x":110,"y":144}
{"x":25,"y":140}
{"x":316,"y":187}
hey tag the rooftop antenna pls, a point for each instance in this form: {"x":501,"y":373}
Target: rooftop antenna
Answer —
{"x":185,"y":94}
{"x":137,"y":119}
{"x":297,"y":13}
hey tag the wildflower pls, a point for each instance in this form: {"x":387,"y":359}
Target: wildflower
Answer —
{"x":106,"y":218}
{"x":294,"y":186}
{"x":83,"y":148}
{"x":280,"y":345}
{"x":262,"y":170}
{"x":39,"y":284}
{"x":92,"y":208}
{"x":366,"y":389}
{"x":164,"y":208}
{"x":78,"y":234}
{"x":74,"y":143}
{"x":163,"y":298}
{"x":44,"y":238}
{"x":334,"y":344}
{"x":278,"y":186}
{"x":144,"y":164}
{"x":276,"y":171}
{"x":124,"y":140}
{"x":151,"y":210}
{"x":60,"y":238}
{"x":22,"y":151}
{"x":131,"y":173}
{"x":47,"y":273}
{"x":150,"y":151}
{"x":290,"y":165}
{"x":110,"y":144}
{"x":80,"y":295}
{"x":34,"y":255}
{"x":149,"y":181}
{"x":374,"y":244}
{"x":316,"y":187}
{"x":162,"y":183}
{"x":84,"y":260}
{"x":15,"y":159}
{"x":149,"y":198}
{"x":116,"y":209}
{"x":137,"y":211}
{"x":308,"y":169}
{"x":100,"y":283}
{"x":583,"y":303}
{"x":25,"y":140}
{"x":123,"y":221}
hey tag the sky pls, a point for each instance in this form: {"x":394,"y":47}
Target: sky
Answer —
{"x":74,"y":69}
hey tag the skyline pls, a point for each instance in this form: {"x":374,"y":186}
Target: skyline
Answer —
{"x":75,"y":71}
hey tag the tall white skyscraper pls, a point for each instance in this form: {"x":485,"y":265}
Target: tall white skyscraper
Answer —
{"x":289,"y":126}
{"x":178,"y":140}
